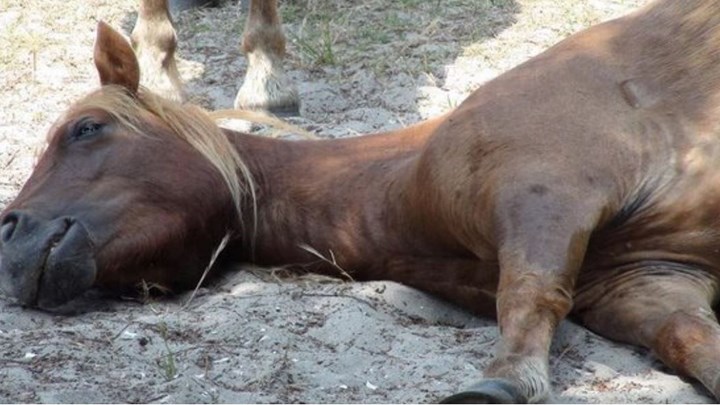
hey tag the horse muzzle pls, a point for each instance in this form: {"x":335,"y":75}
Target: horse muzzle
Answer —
{"x":45,"y":263}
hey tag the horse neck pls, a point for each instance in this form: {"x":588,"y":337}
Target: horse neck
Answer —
{"x":328,"y":194}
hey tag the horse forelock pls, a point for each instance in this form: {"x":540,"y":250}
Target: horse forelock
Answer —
{"x":189,"y":123}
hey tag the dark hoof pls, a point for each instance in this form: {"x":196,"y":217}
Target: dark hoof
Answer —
{"x":292,"y":110}
{"x":182,"y":5}
{"x":490,"y":391}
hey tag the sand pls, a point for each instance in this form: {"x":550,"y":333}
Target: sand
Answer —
{"x":250,"y":336}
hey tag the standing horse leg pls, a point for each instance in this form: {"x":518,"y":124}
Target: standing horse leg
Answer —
{"x":266,"y":85}
{"x":664,"y":307}
{"x":542,"y":236}
{"x":155,"y":42}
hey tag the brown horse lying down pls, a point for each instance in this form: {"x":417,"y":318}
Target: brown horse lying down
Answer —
{"x":582,"y":182}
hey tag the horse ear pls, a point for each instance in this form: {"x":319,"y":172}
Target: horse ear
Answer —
{"x":115,"y":59}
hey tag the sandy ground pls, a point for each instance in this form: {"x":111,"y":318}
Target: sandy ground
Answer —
{"x":249,"y":336}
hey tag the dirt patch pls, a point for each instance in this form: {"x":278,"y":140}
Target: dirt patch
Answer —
{"x":361,"y":67}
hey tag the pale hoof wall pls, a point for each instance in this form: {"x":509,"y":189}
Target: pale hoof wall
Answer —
{"x":490,"y":391}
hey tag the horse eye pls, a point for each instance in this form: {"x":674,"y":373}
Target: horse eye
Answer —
{"x":86,"y":129}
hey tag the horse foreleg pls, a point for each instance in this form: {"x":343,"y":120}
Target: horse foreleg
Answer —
{"x":663,"y":307}
{"x":266,"y":85}
{"x":542,"y":241}
{"x":155,"y":42}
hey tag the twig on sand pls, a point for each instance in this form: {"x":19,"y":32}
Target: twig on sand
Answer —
{"x":330,"y":261}
{"x":213,"y":258}
{"x":14,"y":361}
{"x":117,"y":335}
{"x":9,"y":161}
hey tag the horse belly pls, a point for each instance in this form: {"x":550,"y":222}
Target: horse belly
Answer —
{"x":467,"y":282}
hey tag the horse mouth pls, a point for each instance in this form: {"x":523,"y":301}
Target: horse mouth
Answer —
{"x":46,"y":264}
{"x":49,"y":257}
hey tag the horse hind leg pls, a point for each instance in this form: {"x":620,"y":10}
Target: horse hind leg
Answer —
{"x":155,"y":42}
{"x":663,"y":308}
{"x":266,"y":85}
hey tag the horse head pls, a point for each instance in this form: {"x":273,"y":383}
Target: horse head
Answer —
{"x":131,"y":187}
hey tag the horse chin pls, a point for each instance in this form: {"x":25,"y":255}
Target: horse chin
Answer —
{"x":69,"y":270}
{"x":48,"y":269}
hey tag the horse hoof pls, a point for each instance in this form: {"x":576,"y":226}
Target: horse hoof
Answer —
{"x":182,"y":5}
{"x":287,"y":110}
{"x":490,"y":391}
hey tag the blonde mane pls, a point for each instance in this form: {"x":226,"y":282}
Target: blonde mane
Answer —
{"x":188,"y":122}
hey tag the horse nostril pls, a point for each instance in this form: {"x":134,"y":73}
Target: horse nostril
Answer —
{"x":7,"y":229}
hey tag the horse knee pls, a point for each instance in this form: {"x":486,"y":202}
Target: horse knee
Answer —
{"x":532,"y":305}
{"x":685,"y":340}
{"x":689,"y":342}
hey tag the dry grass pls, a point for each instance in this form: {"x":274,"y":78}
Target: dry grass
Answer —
{"x":425,"y":35}
{"x":324,"y":32}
